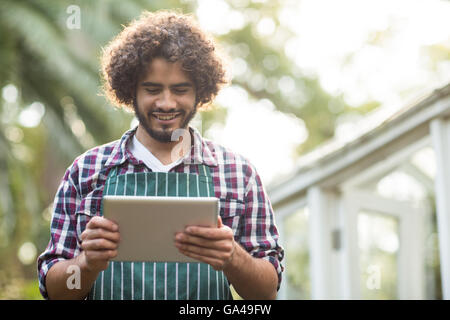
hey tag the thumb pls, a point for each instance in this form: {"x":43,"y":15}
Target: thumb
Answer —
{"x":219,"y":222}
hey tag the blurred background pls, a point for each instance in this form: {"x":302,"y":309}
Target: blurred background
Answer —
{"x":303,"y":72}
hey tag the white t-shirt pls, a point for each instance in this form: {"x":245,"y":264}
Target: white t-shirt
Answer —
{"x":140,"y":152}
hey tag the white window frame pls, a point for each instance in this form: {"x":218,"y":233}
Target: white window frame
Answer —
{"x":440,"y":133}
{"x":411,"y":266}
{"x":280,"y":215}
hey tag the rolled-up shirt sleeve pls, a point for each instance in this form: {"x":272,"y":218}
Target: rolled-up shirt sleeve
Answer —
{"x":258,"y":231}
{"x":63,"y":243}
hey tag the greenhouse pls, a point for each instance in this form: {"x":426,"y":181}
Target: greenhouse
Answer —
{"x":370,"y":218}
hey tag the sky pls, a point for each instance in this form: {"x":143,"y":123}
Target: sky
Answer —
{"x":393,"y":71}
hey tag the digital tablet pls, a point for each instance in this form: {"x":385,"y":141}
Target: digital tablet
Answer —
{"x":147,"y":225}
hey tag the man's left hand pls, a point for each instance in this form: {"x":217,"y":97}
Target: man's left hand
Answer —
{"x":214,"y":246}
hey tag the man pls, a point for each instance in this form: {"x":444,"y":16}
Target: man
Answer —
{"x":163,"y":67}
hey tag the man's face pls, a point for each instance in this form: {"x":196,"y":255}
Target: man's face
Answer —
{"x":165,"y":99}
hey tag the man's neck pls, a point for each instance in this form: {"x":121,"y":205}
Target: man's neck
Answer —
{"x":161,"y":150}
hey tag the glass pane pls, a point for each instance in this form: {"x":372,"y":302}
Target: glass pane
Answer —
{"x":432,"y":259}
{"x":401,"y":186}
{"x":425,"y":160}
{"x":379,"y":244}
{"x":295,"y":229}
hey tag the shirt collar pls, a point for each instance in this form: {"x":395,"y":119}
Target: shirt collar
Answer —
{"x":201,"y":153}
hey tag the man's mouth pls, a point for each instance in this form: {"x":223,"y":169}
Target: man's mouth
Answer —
{"x":165,"y":116}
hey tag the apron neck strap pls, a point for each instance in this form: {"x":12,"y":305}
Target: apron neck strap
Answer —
{"x":204,"y":170}
{"x":113,"y":172}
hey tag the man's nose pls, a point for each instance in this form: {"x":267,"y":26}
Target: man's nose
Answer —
{"x":166,"y":101}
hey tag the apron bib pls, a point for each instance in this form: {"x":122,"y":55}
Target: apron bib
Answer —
{"x":124,"y":280}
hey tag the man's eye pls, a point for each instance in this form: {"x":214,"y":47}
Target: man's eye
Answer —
{"x":180,"y":91}
{"x":152,"y":91}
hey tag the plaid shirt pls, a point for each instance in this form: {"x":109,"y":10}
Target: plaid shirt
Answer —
{"x":244,"y":205}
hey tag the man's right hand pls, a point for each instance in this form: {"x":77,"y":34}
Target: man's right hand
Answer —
{"x":99,"y":243}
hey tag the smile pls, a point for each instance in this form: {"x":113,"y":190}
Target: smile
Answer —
{"x":165,"y":117}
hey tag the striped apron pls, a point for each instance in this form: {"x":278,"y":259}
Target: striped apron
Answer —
{"x":124,"y":280}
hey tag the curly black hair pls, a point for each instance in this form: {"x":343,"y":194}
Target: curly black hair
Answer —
{"x":168,"y":34}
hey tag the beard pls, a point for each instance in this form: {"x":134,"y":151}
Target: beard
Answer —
{"x":164,"y":135}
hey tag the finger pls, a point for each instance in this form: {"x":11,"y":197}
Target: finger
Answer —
{"x":103,"y":223}
{"x":221,"y":233}
{"x":219,"y":222}
{"x":221,"y":245}
{"x":100,"y":234}
{"x":100,"y":255}
{"x":99,"y":244}
{"x":205,"y":252}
